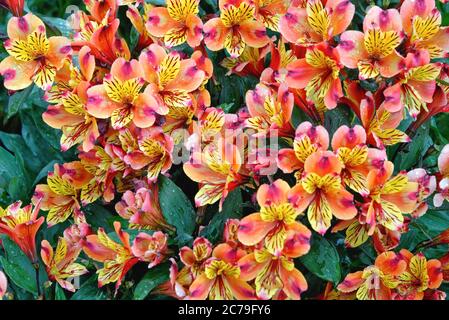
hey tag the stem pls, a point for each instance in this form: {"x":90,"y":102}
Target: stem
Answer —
{"x":39,"y":294}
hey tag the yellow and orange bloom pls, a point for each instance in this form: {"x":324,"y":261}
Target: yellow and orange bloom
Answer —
{"x":416,"y":86}
{"x":427,"y":185}
{"x":308,"y":139}
{"x":221,"y":278}
{"x":32,"y":56}
{"x":170,"y":79}
{"x":377,"y":281}
{"x":142,"y":209}
{"x":269,"y":12}
{"x":177,"y":23}
{"x":154,"y":153}
{"x":315,"y":22}
{"x":275,"y":274}
{"x":388,"y":200}
{"x":373,"y":51}
{"x":21,"y":226}
{"x":350,"y":146}
{"x":443,"y":185}
{"x":217,"y":170}
{"x":322,"y":192}
{"x":120,"y":97}
{"x":60,"y":264}
{"x":421,"y":274}
{"x":60,"y":196}
{"x":318,"y":73}
{"x":421,"y":21}
{"x":270,"y":112}
{"x":150,"y":248}
{"x":276,"y":219}
{"x":194,"y":258}
{"x":117,"y":258}
{"x":235,"y":29}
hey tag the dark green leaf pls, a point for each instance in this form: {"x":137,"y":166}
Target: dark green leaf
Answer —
{"x":151,"y":280}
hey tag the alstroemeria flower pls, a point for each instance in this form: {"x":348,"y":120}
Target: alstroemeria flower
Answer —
{"x":178,"y":284}
{"x":421,"y":274}
{"x":270,"y":112}
{"x":76,"y":234}
{"x":60,"y":264}
{"x":350,"y":146}
{"x":70,"y":114}
{"x":32,"y":56}
{"x":321,"y":190}
{"x":60,"y":196}
{"x":235,"y":29}
{"x":275,"y":220}
{"x":275,"y":273}
{"x":221,"y":278}
{"x":251,"y":61}
{"x":3,"y":285}
{"x":416,"y":85}
{"x":117,"y":258}
{"x":269,"y":12}
{"x":176,"y":24}
{"x":142,"y":209}
{"x":421,"y":20}
{"x":316,"y":22}
{"x":389,"y":198}
{"x":155,"y":153}
{"x":121,"y":99}
{"x":21,"y":225}
{"x":170,"y":79}
{"x":380,"y":124}
{"x":138,"y":21}
{"x":217,"y":170}
{"x":308,"y":139}
{"x":194,"y":259}
{"x":377,"y":281}
{"x":373,"y":51}
{"x":150,"y":248}
{"x":318,"y":73}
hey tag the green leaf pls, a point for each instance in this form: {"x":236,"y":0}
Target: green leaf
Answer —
{"x":151,"y":280}
{"x":232,"y":209}
{"x":323,"y":260}
{"x":89,"y":291}
{"x":16,"y":101}
{"x":177,"y":209}
{"x":19,"y":268}
{"x":416,"y":149}
{"x":59,"y":293}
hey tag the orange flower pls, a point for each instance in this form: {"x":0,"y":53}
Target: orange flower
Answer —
{"x":373,"y":51}
{"x":150,"y":248}
{"x":321,"y":190}
{"x":32,"y":56}
{"x":318,"y":73}
{"x":176,"y":24}
{"x":276,"y":219}
{"x":235,"y":29}
{"x":15,"y":6}
{"x":316,"y":22}
{"x":308,"y":139}
{"x":21,"y":225}
{"x":270,"y":112}
{"x":221,"y":278}
{"x":421,"y":275}
{"x":194,"y":259}
{"x":61,"y":265}
{"x":142,"y":209}
{"x":217,"y":170}
{"x":117,"y":258}
{"x":275,"y":273}
{"x":377,"y":281}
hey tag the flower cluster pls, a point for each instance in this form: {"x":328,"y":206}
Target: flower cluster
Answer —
{"x":140,"y":112}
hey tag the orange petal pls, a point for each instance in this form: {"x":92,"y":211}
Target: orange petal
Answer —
{"x":391,"y":263}
{"x":240,"y":289}
{"x":297,"y":242}
{"x":200,"y":288}
{"x":98,"y":103}
{"x":59,"y":49}
{"x":252,"y":229}
{"x":159,"y":22}
{"x":287,"y":161}
{"x":254,"y":34}
{"x":275,"y":193}
{"x":342,"y":12}
{"x":20,"y":27}
{"x":189,"y":77}
{"x":125,"y":70}
{"x":348,"y":137}
{"x":294,"y":283}
{"x":322,"y":163}
{"x":352,"y":282}
{"x":351,"y":48}
{"x":249,"y":267}
{"x":17,"y":75}
{"x":342,"y":204}
{"x":215,"y":34}
{"x":299,"y":74}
